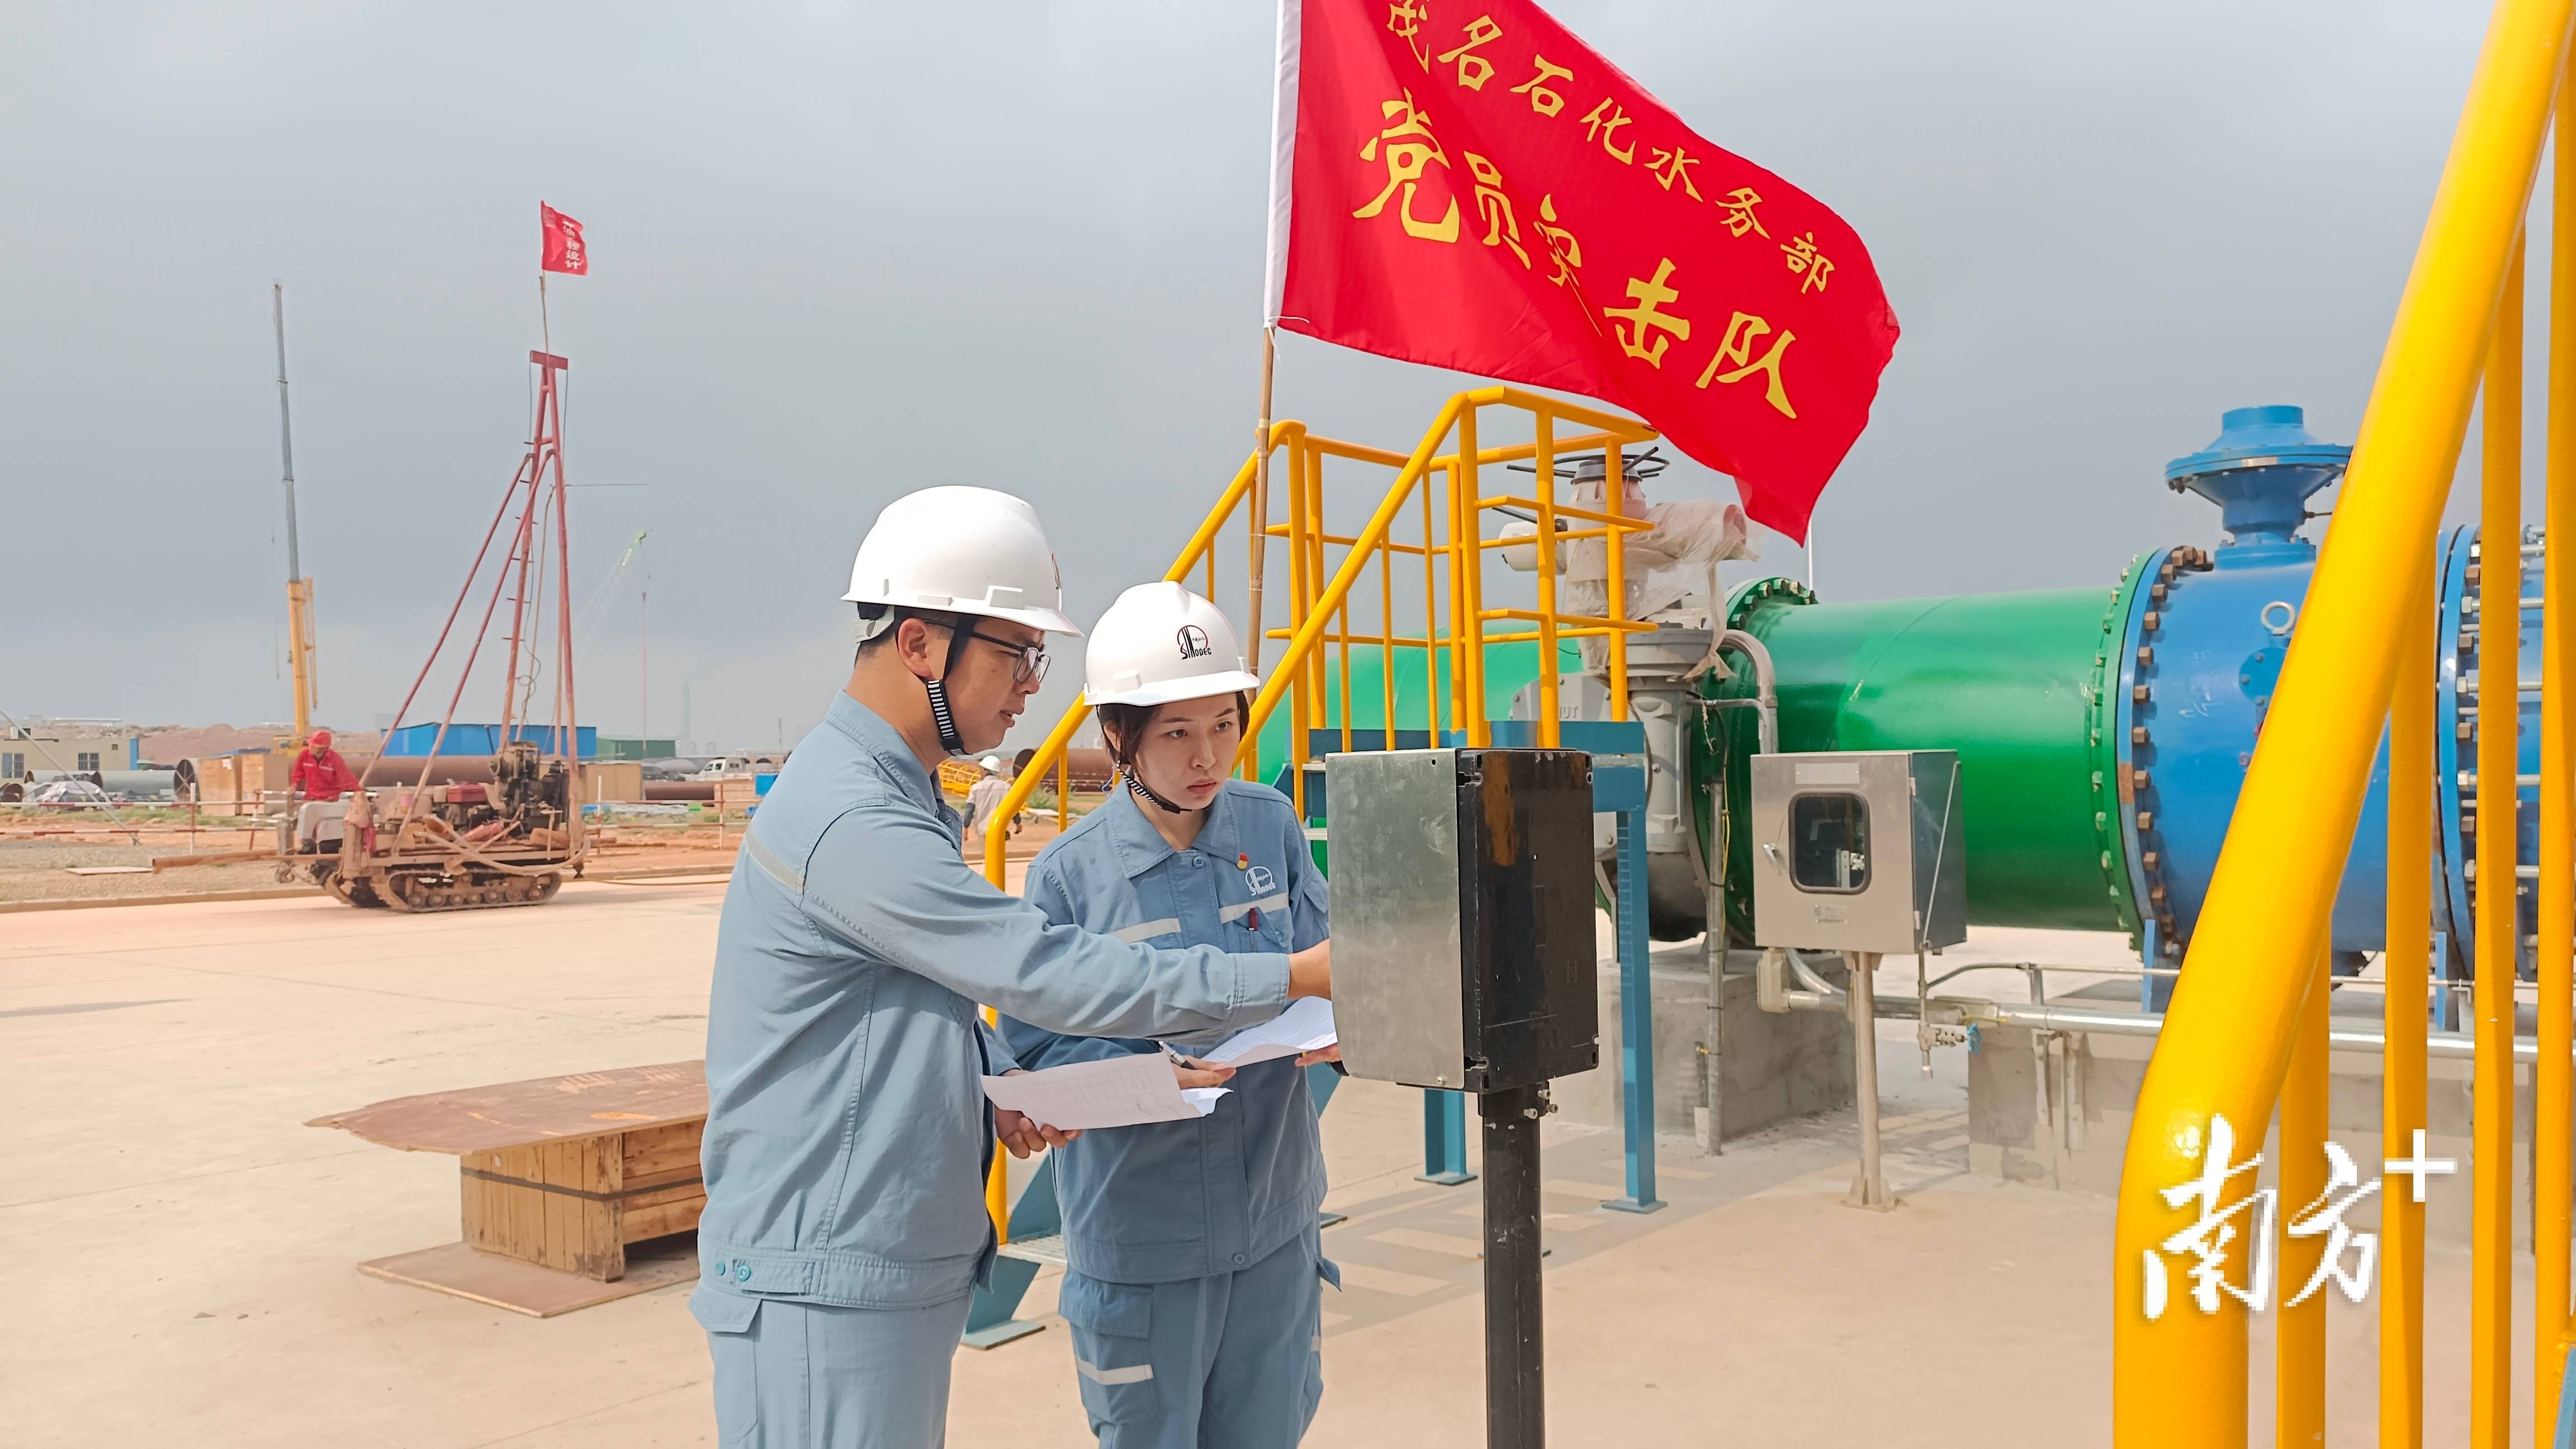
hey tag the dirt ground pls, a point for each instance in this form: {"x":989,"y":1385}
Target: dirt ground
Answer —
{"x":82,"y":857}
{"x":40,"y":867}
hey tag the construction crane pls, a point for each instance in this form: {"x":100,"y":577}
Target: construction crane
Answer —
{"x":299,"y":589}
{"x":595,"y":608}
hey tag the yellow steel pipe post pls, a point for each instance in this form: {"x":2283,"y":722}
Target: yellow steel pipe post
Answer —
{"x":1317,"y":570}
{"x":1063,"y":791}
{"x":2495,"y":906}
{"x":1386,"y":643}
{"x":1430,"y":616}
{"x":1303,"y":601}
{"x":1548,"y":727}
{"x":1471,"y":562}
{"x":2181,"y":1378}
{"x":2553,"y":1167}
{"x":997,"y":1178}
{"x":1293,"y":666}
{"x":1342,"y":616}
{"x":1457,"y":609}
{"x":2407,"y":980}
{"x":1368,"y":539}
{"x":1614,"y":475}
{"x":2299,"y":1333}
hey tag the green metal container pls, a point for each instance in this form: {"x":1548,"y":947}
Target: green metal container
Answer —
{"x":2013,"y":682}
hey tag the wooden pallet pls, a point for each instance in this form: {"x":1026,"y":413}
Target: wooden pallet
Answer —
{"x":558,"y":1176}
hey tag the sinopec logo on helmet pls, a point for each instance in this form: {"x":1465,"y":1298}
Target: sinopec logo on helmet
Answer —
{"x":1194,"y":642}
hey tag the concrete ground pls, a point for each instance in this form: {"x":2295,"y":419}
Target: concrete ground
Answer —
{"x":184,"y":1253}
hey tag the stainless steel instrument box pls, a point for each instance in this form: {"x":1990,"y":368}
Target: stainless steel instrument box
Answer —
{"x":1859,"y":850}
{"x":1463,"y":951}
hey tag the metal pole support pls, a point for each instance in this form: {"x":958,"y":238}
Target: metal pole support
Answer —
{"x":1515,"y":1393}
{"x":1444,"y":1139}
{"x":1869,"y":1190}
{"x":1636,"y":1017}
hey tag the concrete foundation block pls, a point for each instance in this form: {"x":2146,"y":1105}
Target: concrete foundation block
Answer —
{"x":2054,"y":1110}
{"x":1770,"y":1067}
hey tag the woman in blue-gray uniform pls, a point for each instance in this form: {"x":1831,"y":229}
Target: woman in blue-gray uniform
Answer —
{"x":1194,"y":1269}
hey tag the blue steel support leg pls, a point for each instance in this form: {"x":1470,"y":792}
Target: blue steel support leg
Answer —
{"x":1636,"y":1017}
{"x":992,"y":1319}
{"x":1444,"y":1139}
{"x":2154,"y":992}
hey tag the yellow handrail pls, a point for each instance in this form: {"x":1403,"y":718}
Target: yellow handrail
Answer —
{"x":1315,"y":605}
{"x":2498,"y":835}
{"x":2553,"y":1168}
{"x":2235,"y":1021}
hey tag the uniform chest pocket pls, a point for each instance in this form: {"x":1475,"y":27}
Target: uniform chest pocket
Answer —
{"x":1259,"y":924}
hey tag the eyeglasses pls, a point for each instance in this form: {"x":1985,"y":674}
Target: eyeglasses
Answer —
{"x":1033,"y":661}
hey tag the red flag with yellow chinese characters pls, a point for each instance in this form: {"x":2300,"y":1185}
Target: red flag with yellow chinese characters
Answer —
{"x":564,"y":251}
{"x":1463,"y":183}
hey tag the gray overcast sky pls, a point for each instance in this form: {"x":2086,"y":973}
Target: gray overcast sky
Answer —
{"x":841,"y":251}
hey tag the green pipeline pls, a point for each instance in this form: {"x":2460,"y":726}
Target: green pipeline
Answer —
{"x":2013,"y":682}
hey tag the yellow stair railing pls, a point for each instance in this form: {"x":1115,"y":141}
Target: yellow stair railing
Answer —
{"x":2248,"y":1026}
{"x":1448,"y":486}
{"x":1449,"y":490}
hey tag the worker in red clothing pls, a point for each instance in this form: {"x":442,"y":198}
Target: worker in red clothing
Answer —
{"x":319,"y":778}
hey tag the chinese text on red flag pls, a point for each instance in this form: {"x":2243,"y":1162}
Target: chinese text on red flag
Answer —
{"x":1463,"y":183}
{"x":564,"y":251}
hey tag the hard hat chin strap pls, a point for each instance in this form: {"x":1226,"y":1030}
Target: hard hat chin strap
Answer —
{"x":1142,"y":791}
{"x":937,"y":689}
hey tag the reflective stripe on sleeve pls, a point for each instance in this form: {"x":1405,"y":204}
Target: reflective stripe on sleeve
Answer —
{"x":777,"y":870}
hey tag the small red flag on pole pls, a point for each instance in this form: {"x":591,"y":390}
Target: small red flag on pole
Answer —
{"x":1490,"y":195}
{"x":564,"y":251}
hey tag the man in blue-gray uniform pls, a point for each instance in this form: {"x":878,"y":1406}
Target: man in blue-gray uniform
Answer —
{"x":847,"y":1135}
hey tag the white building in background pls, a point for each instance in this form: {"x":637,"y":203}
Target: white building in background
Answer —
{"x":39,"y":746}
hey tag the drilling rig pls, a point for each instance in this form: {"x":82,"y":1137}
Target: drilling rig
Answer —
{"x":447,"y":832}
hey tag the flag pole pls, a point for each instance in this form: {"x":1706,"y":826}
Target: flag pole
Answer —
{"x":545,"y":324}
{"x":1260,"y":531}
{"x":1283,"y":148}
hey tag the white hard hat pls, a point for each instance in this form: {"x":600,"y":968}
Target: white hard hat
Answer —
{"x":992,"y":764}
{"x":1161,"y":643}
{"x":962,"y":551}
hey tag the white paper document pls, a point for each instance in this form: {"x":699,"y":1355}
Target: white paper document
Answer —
{"x":1306,"y":1026}
{"x":1119,"y":1092}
